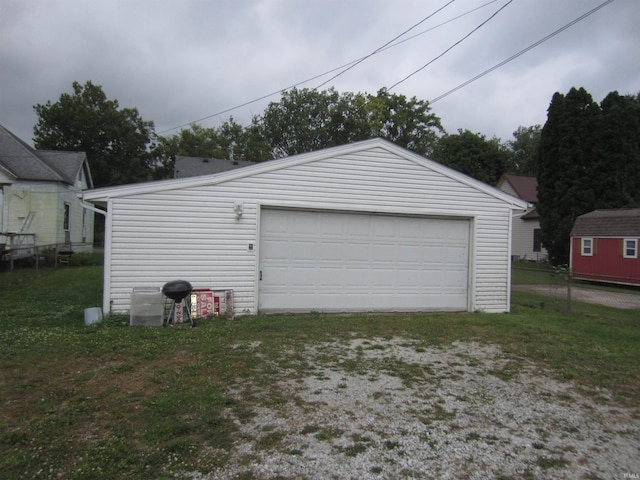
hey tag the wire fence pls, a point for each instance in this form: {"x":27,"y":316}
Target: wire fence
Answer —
{"x":44,"y":256}
{"x":558,"y":283}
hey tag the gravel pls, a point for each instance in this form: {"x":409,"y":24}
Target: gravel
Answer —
{"x":374,"y":409}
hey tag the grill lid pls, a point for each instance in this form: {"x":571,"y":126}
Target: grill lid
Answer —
{"x":176,"y":290}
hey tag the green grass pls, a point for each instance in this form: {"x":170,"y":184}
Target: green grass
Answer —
{"x":109,"y":401}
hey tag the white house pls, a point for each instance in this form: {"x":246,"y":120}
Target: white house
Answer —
{"x":362,"y":227}
{"x":525,"y":242}
{"x":39,"y":198}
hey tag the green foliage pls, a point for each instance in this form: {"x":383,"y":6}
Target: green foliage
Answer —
{"x":229,"y":141}
{"x":115,"y":139}
{"x":472,"y":154}
{"x":524,"y":150}
{"x":589,"y":158}
{"x":307,"y":120}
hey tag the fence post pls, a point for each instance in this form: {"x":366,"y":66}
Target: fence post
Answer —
{"x":569,"y":278}
{"x":564,"y":272}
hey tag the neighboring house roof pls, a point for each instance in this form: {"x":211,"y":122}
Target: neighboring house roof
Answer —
{"x":194,"y":166}
{"x":608,"y":223}
{"x":525,"y":187}
{"x":23,"y":162}
{"x":101,"y":195}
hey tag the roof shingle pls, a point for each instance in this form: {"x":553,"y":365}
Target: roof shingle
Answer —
{"x":624,"y":222}
{"x":26,"y":163}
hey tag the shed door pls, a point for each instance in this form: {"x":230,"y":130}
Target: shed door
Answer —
{"x":328,"y":261}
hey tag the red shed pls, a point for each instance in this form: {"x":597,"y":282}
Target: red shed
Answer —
{"x":604,"y":246}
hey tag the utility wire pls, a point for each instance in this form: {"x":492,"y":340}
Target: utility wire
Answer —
{"x":451,"y":47}
{"x":521,"y":52}
{"x":263,"y":97}
{"x":383,"y":46}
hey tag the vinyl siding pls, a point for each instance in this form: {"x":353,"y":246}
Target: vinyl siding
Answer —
{"x":522,"y":240}
{"x":192,"y":232}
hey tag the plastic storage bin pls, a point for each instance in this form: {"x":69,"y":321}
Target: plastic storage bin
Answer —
{"x":147,"y":307}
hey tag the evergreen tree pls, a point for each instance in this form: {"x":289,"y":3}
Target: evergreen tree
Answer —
{"x":588,"y":159}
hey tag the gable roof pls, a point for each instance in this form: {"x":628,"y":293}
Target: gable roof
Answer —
{"x":102,"y":195}
{"x":23,"y":162}
{"x":524,"y":186}
{"x":608,"y":223}
{"x":194,"y":166}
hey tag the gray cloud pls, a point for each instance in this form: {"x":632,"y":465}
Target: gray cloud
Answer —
{"x":179,"y":61}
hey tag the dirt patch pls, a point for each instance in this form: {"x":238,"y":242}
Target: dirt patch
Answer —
{"x":587,"y":295}
{"x":393,"y":409}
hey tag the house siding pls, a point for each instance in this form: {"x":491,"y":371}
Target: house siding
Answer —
{"x":46,"y":201}
{"x":607,"y":264}
{"x":522,"y":241}
{"x":192,"y":232}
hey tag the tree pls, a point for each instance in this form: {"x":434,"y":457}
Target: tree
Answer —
{"x":524,"y":150}
{"x":472,"y":154}
{"x":588,"y":159}
{"x":307,"y":120}
{"x":405,"y":122}
{"x":116,"y":140}
{"x":617,"y":152}
{"x":229,"y":141}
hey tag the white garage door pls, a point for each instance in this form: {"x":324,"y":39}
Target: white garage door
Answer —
{"x":327,"y":261}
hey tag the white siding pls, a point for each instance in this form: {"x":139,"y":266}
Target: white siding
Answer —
{"x":522,"y":239}
{"x":192,"y":232}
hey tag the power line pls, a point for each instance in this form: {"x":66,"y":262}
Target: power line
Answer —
{"x":521,"y":52}
{"x":383,"y":46}
{"x":263,"y":97}
{"x":451,"y":47}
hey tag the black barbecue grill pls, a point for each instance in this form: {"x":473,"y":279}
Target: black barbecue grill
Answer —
{"x":177,"y":291}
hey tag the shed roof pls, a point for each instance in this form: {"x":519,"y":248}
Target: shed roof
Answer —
{"x":194,"y":166}
{"x":23,"y":162}
{"x":608,"y":223}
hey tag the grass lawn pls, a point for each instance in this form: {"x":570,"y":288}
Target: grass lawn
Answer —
{"x":109,"y":401}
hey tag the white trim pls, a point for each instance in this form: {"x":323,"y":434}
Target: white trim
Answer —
{"x":635,"y":247}
{"x":106,"y":281}
{"x":472,"y":266}
{"x":346,"y":208}
{"x":510,"y":250}
{"x":584,"y":247}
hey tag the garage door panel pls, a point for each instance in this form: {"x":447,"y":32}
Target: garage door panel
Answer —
{"x":353,"y":262}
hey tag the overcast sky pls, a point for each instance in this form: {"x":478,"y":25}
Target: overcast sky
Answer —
{"x":178,"y":61}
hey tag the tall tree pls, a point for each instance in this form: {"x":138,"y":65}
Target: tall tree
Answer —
{"x":307,"y":120}
{"x":116,"y":140}
{"x":408,"y":123}
{"x":472,"y":154}
{"x":565,"y":169}
{"x":617,"y":152}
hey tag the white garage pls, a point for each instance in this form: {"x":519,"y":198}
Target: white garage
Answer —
{"x":362,"y":227}
{"x":334,"y":261}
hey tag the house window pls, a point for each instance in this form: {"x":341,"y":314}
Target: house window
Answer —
{"x":587,"y":247}
{"x":630,"y":247}
{"x":537,"y":245}
{"x":67,"y":216}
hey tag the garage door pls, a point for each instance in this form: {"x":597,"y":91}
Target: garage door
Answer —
{"x":328,"y":261}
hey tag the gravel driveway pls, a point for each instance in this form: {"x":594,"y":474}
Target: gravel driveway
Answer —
{"x":381,"y":409}
{"x":587,"y":295}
